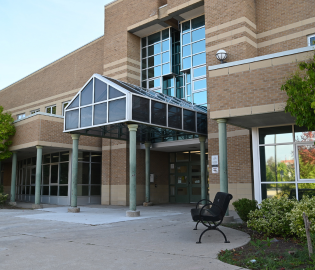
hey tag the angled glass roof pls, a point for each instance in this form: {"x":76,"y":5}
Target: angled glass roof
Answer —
{"x":104,"y":107}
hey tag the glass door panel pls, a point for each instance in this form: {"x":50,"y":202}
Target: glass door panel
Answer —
{"x":182,"y":182}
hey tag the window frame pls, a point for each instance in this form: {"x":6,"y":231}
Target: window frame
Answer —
{"x":34,"y":111}
{"x":51,"y":108}
{"x":309,"y":39}
{"x":20,"y":116}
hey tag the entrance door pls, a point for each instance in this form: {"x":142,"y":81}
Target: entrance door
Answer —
{"x":195,"y":183}
{"x":182,"y":182}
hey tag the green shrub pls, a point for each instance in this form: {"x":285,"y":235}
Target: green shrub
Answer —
{"x":306,"y":205}
{"x":271,"y":218}
{"x":244,"y":206}
{"x":3,"y":198}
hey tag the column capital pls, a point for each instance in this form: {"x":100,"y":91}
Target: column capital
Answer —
{"x":75,"y":136}
{"x":147,"y":144}
{"x":132,"y":127}
{"x":202,"y":138}
{"x":222,"y":120}
{"x":39,"y":147}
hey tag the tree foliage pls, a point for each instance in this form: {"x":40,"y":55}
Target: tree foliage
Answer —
{"x":300,"y":88}
{"x":7,"y":130}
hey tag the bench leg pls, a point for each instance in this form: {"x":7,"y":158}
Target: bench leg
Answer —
{"x":196,"y":225}
{"x":199,"y":242}
{"x":226,"y":241}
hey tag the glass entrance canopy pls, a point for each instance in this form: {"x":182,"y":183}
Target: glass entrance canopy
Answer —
{"x":105,"y":106}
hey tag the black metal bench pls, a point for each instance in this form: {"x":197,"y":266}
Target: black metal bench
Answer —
{"x":214,"y":214}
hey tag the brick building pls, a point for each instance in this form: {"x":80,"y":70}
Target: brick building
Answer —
{"x":169,"y":47}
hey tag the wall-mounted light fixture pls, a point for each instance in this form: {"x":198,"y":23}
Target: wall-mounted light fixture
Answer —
{"x":221,"y":55}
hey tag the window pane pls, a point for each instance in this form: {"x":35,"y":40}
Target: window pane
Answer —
{"x":63,"y":191}
{"x":189,"y":120}
{"x":199,"y":59}
{"x":166,"y":69}
{"x":186,"y":38}
{"x":54,"y":174}
{"x":53,"y":110}
{"x":201,"y":71}
{"x":48,"y":110}
{"x":165,"y":33}
{"x":86,"y":117}
{"x":312,"y":41}
{"x":199,"y":46}
{"x":72,"y":119}
{"x":166,"y":45}
{"x":155,"y":83}
{"x":100,"y":113}
{"x":174,"y":117}
{"x":46,"y":172}
{"x":198,"y":34}
{"x":64,"y":169}
{"x":158,"y":115}
{"x":277,"y":163}
{"x":84,"y":156}
{"x":277,"y":190}
{"x":275,"y":135}
{"x":186,"y":50}
{"x":303,"y":135}
{"x":186,"y":62}
{"x":64,"y":156}
{"x":100,"y":91}
{"x":117,"y":110}
{"x":185,"y":26}
{"x":140,"y":109}
{"x":45,"y":190}
{"x":182,"y":156}
{"x":96,"y":157}
{"x":306,"y":189}
{"x":202,"y":123}
{"x":200,"y":84}
{"x":86,"y":94}
{"x":165,"y":57}
{"x":96,"y":173}
{"x":46,"y":158}
{"x":154,"y":49}
{"x":95,"y":190}
{"x":83,"y":173}
{"x":113,"y":93}
{"x":53,"y":190}
{"x":82,"y":190}
{"x":55,"y":157}
{"x":154,"y":72}
{"x":198,"y":22}
{"x":307,"y":161}
{"x":200,"y":97}
{"x":144,"y":41}
{"x":75,"y":103}
{"x":144,"y":52}
{"x":154,"y":38}
{"x":154,"y":60}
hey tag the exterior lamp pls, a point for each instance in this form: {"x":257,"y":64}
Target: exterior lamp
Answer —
{"x":221,"y":55}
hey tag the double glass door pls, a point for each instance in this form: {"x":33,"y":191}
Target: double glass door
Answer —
{"x":187,"y":182}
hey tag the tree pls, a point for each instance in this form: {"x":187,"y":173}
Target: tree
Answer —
{"x":300,"y":88}
{"x":7,"y":130}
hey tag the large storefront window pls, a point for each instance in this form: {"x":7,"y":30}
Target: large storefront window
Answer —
{"x":56,"y":178}
{"x":287,"y":162}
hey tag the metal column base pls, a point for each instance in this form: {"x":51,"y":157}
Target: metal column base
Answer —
{"x":74,"y":209}
{"x":130,"y":213}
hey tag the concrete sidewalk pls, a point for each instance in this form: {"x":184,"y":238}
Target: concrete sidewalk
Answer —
{"x":101,"y":237}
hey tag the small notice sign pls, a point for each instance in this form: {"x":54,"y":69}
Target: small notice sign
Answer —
{"x":215,"y":160}
{"x":215,"y":169}
{"x":172,"y":166}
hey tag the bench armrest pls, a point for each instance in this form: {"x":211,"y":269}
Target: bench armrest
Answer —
{"x":201,"y":201}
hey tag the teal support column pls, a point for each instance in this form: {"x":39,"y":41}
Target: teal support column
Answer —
{"x":13,"y":178}
{"x":223,"y":169}
{"x":74,"y":173}
{"x":133,"y":171}
{"x":39,"y":153}
{"x":147,"y":171}
{"x":202,"y":140}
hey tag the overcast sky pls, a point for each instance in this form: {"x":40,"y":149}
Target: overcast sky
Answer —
{"x":34,"y":33}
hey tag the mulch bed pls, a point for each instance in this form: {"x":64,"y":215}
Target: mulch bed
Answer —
{"x":268,"y":253}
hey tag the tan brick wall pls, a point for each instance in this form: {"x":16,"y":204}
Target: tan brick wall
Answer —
{"x":271,"y":14}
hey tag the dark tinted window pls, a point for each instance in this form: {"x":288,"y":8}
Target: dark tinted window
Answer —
{"x":174,"y":117}
{"x":140,"y":109}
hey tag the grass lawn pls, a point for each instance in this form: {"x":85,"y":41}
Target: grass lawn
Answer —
{"x":268,"y":252}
